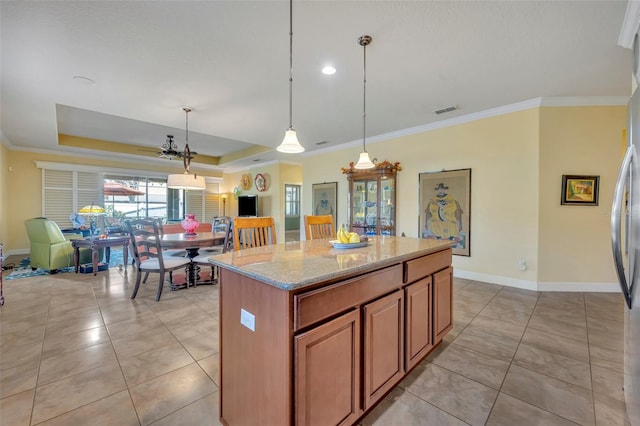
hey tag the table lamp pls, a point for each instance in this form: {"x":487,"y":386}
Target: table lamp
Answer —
{"x":92,"y":210}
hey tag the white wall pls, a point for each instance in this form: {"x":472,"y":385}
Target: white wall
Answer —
{"x":509,"y":189}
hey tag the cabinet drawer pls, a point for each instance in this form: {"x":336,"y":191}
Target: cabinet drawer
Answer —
{"x":426,"y":265}
{"x":311,"y":307}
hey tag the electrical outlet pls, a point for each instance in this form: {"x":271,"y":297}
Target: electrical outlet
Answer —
{"x":248,"y":320}
{"x":523,"y":265}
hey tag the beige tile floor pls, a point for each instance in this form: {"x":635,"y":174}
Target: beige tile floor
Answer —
{"x":75,"y":350}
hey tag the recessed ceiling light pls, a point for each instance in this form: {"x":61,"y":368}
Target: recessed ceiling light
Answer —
{"x":84,"y":80}
{"x":328,"y":70}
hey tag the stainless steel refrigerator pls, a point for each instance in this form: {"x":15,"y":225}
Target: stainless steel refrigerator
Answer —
{"x":625,"y":238}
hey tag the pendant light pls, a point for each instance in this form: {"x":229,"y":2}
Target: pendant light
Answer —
{"x":290,"y":144}
{"x":364,"y":162}
{"x":186,"y":180}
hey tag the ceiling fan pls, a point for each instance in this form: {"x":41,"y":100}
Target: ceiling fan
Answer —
{"x":169,"y":149}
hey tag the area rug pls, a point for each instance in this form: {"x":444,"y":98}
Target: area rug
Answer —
{"x":23,"y":269}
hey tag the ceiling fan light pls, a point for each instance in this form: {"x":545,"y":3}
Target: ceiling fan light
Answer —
{"x":290,"y":144}
{"x":364,"y":162}
{"x":186,"y":181}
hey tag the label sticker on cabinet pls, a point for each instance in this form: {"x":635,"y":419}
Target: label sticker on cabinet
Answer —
{"x":248,"y":320}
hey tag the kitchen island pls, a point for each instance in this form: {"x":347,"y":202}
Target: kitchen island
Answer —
{"x":310,"y":334}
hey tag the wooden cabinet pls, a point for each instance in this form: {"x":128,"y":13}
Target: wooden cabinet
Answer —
{"x":372,"y":199}
{"x":442,"y":303}
{"x":327,"y":373}
{"x":395,"y":316}
{"x":418,"y":331}
{"x":326,"y":354}
{"x":383,"y":346}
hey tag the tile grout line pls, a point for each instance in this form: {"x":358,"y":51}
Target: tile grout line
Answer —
{"x":124,"y":378}
{"x":44,"y":335}
{"x":514,"y":354}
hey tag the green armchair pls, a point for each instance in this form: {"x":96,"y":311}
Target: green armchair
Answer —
{"x":50,"y":248}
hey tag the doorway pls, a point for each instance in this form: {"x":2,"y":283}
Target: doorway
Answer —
{"x":291,"y":212}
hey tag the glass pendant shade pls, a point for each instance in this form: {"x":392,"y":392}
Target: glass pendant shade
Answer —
{"x":186,"y":181}
{"x":364,"y":162}
{"x":290,"y":144}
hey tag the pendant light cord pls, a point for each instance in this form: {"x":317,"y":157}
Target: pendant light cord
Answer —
{"x":364,"y":100}
{"x":290,"y":64}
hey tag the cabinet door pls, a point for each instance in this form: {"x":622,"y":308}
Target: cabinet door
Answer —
{"x":327,"y":373}
{"x":383,"y":346}
{"x":387,"y":205}
{"x":442,"y":303}
{"x":418,"y":337}
{"x":372,"y":200}
{"x":371,"y":206}
{"x":358,"y":206}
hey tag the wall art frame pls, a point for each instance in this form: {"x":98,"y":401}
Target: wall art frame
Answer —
{"x":325,"y":199}
{"x":580,"y":190}
{"x":445,"y":208}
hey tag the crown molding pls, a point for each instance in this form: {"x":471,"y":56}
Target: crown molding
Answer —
{"x":630,"y":24}
{"x":52,"y":165}
{"x":573,"y":101}
{"x":568,"y":101}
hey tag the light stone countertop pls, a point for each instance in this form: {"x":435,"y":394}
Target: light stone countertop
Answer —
{"x":294,"y":265}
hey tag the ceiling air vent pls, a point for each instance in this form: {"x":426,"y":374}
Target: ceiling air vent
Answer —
{"x":447,"y":109}
{"x":321,"y":142}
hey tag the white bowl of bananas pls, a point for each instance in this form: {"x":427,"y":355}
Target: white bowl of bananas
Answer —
{"x":348,"y":239}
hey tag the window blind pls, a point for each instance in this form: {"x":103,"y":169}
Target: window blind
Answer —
{"x":65,"y":192}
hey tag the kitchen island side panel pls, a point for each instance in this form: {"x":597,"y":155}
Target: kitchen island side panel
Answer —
{"x":255,"y":366}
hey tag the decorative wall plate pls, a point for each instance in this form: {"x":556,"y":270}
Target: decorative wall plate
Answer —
{"x":261,"y":183}
{"x":245,"y":181}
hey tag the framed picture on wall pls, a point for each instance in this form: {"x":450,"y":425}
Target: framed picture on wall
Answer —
{"x":445,"y":208}
{"x":325,"y":199}
{"x":580,"y":190}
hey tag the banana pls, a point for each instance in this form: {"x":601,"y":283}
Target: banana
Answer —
{"x":343,"y":237}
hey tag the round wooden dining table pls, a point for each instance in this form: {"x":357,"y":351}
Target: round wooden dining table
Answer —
{"x":192,"y":244}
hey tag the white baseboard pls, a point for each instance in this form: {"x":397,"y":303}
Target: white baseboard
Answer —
{"x":538,"y":286}
{"x":16,"y":252}
{"x":496,"y":279}
{"x":590,"y":287}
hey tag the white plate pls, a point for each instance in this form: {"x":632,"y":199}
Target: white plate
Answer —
{"x":338,"y":245}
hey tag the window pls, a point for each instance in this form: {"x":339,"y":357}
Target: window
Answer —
{"x":292,"y":200}
{"x":129,"y":197}
{"x":204,"y":204}
{"x":65,"y":192}
{"x":69,"y":187}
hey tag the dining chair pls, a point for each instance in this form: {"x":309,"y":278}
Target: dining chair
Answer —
{"x":146,"y":246}
{"x":251,"y":232}
{"x":316,"y":227}
{"x":219,"y":224}
{"x":171,"y":228}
